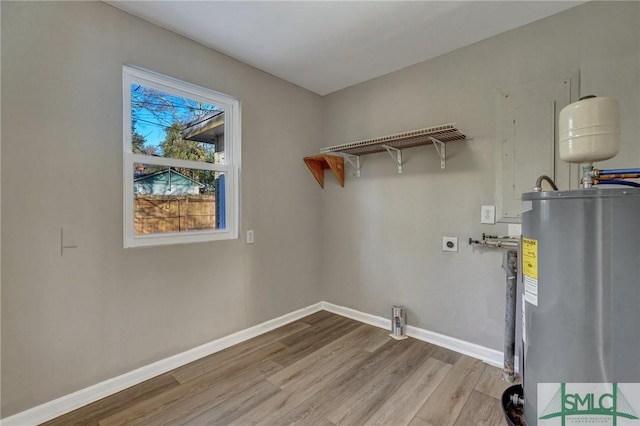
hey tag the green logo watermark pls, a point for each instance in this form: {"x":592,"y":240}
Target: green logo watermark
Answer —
{"x":586,"y":403}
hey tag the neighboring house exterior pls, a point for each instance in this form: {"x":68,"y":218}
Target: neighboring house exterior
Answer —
{"x":207,"y":129}
{"x":166,"y":182}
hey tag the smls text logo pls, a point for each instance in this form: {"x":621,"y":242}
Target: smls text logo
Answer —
{"x":588,"y":404}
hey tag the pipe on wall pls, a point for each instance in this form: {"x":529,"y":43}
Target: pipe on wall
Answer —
{"x":510,"y":265}
{"x":538,"y":186}
{"x":618,"y":182}
{"x":618,"y":171}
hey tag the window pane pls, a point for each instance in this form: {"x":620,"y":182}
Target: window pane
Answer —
{"x":182,"y":150}
{"x":167,"y":125}
{"x":174,"y":199}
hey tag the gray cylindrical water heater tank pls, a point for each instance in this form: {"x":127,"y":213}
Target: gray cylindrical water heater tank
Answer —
{"x":581,"y":273}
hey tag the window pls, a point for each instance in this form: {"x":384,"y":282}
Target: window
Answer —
{"x":181,"y":161}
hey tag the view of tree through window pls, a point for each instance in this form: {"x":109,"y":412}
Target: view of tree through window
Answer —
{"x":163,"y":125}
{"x":160,"y":120}
{"x":181,"y":161}
{"x":172,"y":198}
{"x":166,"y":125}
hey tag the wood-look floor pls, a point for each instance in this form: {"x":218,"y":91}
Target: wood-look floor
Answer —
{"x":321,"y":370}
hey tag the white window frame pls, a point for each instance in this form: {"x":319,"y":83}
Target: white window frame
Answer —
{"x":231,"y":166}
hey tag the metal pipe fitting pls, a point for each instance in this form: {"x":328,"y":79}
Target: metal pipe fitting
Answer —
{"x":510,"y":266}
{"x":538,"y":186}
{"x":588,"y":175}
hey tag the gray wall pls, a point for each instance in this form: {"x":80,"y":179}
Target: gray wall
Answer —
{"x":100,"y":310}
{"x":383,"y":231}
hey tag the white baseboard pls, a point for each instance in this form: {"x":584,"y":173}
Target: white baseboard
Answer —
{"x":67,"y":403}
{"x":490,"y":356}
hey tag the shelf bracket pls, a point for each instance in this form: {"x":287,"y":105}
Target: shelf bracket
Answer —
{"x":354,"y":160}
{"x":318,"y":163}
{"x":440,"y":149}
{"x":396,"y":155}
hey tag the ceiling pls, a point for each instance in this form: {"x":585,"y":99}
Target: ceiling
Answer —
{"x":325,"y":46}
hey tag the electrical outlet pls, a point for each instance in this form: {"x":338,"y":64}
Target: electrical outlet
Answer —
{"x":250,"y":239}
{"x":488,"y":215}
{"x":449,"y":243}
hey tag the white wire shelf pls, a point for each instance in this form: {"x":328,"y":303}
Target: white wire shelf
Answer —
{"x":437,"y":136}
{"x":444,"y":133}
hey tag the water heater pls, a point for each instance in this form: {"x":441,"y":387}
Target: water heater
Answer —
{"x":581,"y":275}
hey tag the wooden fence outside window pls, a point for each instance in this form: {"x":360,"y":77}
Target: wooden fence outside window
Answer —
{"x":169,"y":213}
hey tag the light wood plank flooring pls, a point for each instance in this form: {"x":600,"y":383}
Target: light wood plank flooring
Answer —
{"x":321,"y":370}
